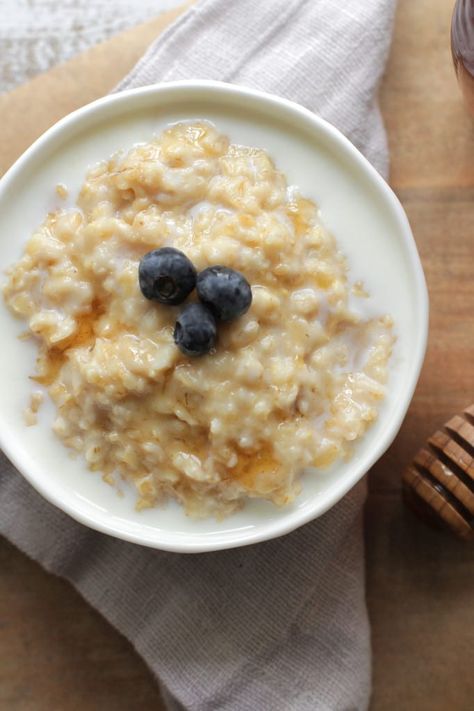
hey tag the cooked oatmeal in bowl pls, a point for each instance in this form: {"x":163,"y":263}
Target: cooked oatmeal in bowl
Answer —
{"x":291,"y":383}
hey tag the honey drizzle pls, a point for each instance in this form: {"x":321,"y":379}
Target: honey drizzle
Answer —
{"x":254,"y":465}
{"x":52,"y":359}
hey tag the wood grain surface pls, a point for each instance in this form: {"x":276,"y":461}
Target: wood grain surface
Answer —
{"x":57,"y":653}
{"x":420,"y":582}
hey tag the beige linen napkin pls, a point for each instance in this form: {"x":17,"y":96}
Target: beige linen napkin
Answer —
{"x":37,"y":34}
{"x":281,"y":625}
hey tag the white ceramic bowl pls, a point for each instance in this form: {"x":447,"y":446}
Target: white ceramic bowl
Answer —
{"x":356,"y":204}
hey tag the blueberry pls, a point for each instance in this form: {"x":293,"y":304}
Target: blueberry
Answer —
{"x":166,"y":275}
{"x":195,"y":331}
{"x":224,"y":291}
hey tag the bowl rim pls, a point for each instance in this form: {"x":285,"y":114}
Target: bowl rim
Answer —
{"x":278,"y":527}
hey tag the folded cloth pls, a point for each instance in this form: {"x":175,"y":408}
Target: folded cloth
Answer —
{"x":29,"y":31}
{"x":281,"y":625}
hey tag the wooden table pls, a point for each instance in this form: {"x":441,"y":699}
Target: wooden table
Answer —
{"x":58,"y":653}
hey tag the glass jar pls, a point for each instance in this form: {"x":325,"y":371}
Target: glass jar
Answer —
{"x":462,"y":47}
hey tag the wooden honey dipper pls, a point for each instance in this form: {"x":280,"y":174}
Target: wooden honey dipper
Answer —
{"x":439,"y":484}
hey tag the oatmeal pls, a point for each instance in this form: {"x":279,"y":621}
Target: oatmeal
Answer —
{"x":31,"y":412}
{"x":290,"y":384}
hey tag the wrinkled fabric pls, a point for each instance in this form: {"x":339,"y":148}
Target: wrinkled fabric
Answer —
{"x":281,"y":625}
{"x":37,"y":34}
